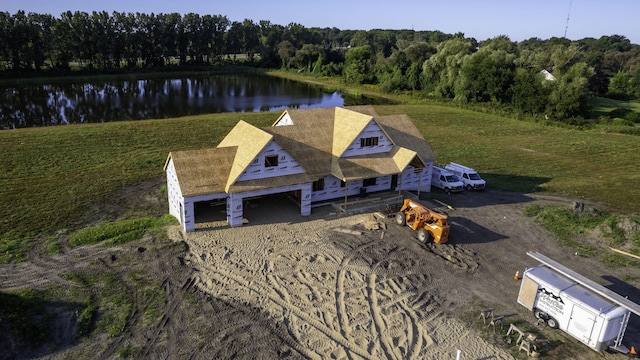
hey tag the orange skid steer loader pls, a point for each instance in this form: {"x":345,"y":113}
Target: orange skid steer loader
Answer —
{"x":428,"y":223}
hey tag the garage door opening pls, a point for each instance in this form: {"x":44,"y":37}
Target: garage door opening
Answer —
{"x":210,"y":213}
{"x":274,"y":208}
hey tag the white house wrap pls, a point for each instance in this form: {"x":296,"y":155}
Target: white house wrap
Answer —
{"x":313,"y":154}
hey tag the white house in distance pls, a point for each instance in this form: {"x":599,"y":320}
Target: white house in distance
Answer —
{"x":313,"y":155}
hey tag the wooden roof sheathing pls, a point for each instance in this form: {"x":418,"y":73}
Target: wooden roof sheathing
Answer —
{"x":250,"y":141}
{"x":203,"y":171}
{"x":309,"y":117}
{"x":373,"y":165}
{"x":271,"y":182}
{"x":347,"y":126}
{"x":402,"y":132}
{"x":316,"y":140}
{"x":310,"y":146}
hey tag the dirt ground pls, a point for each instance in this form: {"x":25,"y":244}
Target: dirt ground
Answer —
{"x":334,"y":285}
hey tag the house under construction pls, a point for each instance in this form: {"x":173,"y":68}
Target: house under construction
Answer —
{"x":313,"y":155}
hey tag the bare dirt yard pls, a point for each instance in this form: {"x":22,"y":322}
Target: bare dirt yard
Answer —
{"x":332,"y":286}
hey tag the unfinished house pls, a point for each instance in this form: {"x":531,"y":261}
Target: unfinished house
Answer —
{"x":312,"y":155}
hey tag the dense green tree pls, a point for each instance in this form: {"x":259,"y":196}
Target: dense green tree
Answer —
{"x":41,"y":38}
{"x":270,"y":36}
{"x":487,"y":75}
{"x":360,"y":38}
{"x":445,"y":65}
{"x":102,"y":35}
{"x":298,"y":35}
{"x":198,"y":40}
{"x":620,"y":86}
{"x":442,"y":70}
{"x":217,"y":26}
{"x":635,"y":83}
{"x":18,"y":41}
{"x":233,"y":39}
{"x":250,"y":38}
{"x":419,"y":52}
{"x":308,"y":55}
{"x":124,"y":45}
{"x":529,"y":93}
{"x":287,"y":53}
{"x":358,"y":65}
{"x":383,"y":42}
{"x":569,"y":94}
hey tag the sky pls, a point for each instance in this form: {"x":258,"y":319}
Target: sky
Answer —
{"x":517,"y":19}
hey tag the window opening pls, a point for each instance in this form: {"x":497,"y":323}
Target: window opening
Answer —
{"x":318,"y":185}
{"x":271,"y":161}
{"x":369,"y":182}
{"x":371,"y":141}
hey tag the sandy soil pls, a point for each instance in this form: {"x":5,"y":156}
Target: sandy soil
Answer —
{"x":331,"y":285}
{"x":360,"y":286}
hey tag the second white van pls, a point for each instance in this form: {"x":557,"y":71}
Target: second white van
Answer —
{"x":446,"y":180}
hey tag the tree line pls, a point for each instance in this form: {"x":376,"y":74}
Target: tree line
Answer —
{"x":553,"y":77}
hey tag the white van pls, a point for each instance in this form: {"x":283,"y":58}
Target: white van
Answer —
{"x":446,"y":180}
{"x":470,"y":177}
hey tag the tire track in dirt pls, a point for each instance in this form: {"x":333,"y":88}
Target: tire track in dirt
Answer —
{"x":295,"y":310}
{"x":378,"y":320}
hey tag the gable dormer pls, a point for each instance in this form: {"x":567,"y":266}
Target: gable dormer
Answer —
{"x":272,"y":161}
{"x":284,"y":119}
{"x":371,"y":140}
{"x":258,"y":155}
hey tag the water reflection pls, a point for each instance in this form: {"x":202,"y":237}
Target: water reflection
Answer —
{"x":74,"y":103}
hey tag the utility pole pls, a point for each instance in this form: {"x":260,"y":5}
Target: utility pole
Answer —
{"x":566,"y":27}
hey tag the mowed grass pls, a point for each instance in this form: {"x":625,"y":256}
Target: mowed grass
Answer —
{"x":531,"y":157}
{"x":603,"y":106}
{"x":50,"y":178}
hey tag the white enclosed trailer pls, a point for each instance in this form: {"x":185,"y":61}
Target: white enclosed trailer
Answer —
{"x":568,"y":301}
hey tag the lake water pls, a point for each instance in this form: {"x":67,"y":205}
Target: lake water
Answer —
{"x":82,"y":102}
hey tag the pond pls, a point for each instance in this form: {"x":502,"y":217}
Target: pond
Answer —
{"x":68,"y":102}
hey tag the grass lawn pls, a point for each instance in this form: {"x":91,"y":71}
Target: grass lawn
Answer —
{"x":603,"y":106}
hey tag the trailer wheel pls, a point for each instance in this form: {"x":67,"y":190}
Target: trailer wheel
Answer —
{"x":552,"y":323}
{"x":401,"y":219}
{"x":423,"y":235}
{"x":539,"y":314}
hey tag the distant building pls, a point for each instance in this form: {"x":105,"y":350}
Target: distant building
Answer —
{"x":314,"y":155}
{"x":547,"y":75}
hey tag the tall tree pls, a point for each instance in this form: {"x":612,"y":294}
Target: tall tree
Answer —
{"x":487,"y":75}
{"x":621,"y":86}
{"x":529,"y":93}
{"x":18,"y":41}
{"x":270,"y":36}
{"x":442,"y":70}
{"x":358,"y":65}
{"x":569,"y":94}
{"x":102,"y":35}
{"x":250,"y":38}
{"x":40,"y":38}
{"x":233,"y":39}
{"x":286,"y":51}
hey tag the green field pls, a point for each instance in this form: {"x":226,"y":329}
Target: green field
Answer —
{"x":51,"y":178}
{"x":603,"y":106}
